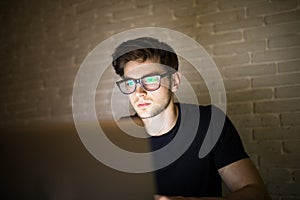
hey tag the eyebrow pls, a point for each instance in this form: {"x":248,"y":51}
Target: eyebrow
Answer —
{"x":150,"y":74}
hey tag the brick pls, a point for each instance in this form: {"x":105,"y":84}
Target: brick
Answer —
{"x":103,"y":96}
{"x":279,"y":161}
{"x":250,"y":70}
{"x":203,"y":99}
{"x":296,"y":175}
{"x":245,"y":133}
{"x":276,"y":55}
{"x":276,"y":80}
{"x":275,"y":175}
{"x":105,"y":88}
{"x":276,"y":133}
{"x":277,"y":106}
{"x":25,"y":86}
{"x":200,"y":8}
{"x":198,"y":87}
{"x":139,"y":4}
{"x":287,"y":92}
{"x":255,"y":159}
{"x":59,"y":111}
{"x":287,"y":189}
{"x":58,"y":81}
{"x":118,"y":6}
{"x":271,"y":31}
{"x":250,"y":95}
{"x":33,"y":114}
{"x":61,"y":72}
{"x":231,"y":60}
{"x":28,"y":75}
{"x":129,"y":14}
{"x":215,"y":91}
{"x":236,"y":84}
{"x":105,"y":115}
{"x":233,"y":4}
{"x":20,"y":106}
{"x":289,"y":16}
{"x":290,"y":119}
{"x":29,"y":60}
{"x":241,"y":47}
{"x":173,"y":5}
{"x":182,"y":22}
{"x":206,"y":6}
{"x":162,"y":7}
{"x":193,"y":77}
{"x":51,"y":62}
{"x":65,"y":92}
{"x":50,"y":102}
{"x":284,"y":41}
{"x":239,"y":108}
{"x":264,"y":148}
{"x":4,"y":115}
{"x":62,"y":101}
{"x":276,"y":197}
{"x":199,"y":30}
{"x":185,"y":93}
{"x":256,"y":120}
{"x":83,"y":7}
{"x":272,"y":7}
{"x":222,"y":17}
{"x":86,"y":16}
{"x":205,"y":39}
{"x":40,"y":94}
{"x":240,"y":24}
{"x":291,"y":147}
{"x":289,"y":66}
{"x":164,"y":19}
{"x":290,"y":198}
{"x":84,"y":11}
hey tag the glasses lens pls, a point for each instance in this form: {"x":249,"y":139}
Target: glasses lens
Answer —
{"x":151,"y":82}
{"x":127,"y":86}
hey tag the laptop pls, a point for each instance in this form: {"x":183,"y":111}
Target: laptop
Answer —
{"x":49,"y":161}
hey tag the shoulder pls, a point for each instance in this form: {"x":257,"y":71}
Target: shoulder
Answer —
{"x":206,"y":111}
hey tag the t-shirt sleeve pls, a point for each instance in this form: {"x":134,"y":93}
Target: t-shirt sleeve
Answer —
{"x":229,"y":147}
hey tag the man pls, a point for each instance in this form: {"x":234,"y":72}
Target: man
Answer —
{"x":149,"y":72}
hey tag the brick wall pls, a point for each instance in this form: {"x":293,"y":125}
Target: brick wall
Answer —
{"x":255,"y":44}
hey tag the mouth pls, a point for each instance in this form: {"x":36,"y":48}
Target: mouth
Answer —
{"x":143,"y":105}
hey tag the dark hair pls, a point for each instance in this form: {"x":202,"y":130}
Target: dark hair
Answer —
{"x":142,"y":49}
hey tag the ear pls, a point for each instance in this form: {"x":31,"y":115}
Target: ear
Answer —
{"x":175,"y":82}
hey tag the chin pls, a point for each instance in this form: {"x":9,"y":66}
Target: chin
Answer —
{"x":144,"y":115}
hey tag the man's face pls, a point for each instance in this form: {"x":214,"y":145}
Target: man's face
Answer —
{"x":148,"y":104}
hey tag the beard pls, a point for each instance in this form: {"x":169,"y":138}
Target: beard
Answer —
{"x":155,"y":108}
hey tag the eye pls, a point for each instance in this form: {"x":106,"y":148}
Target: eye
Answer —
{"x":151,"y":79}
{"x":130,"y":83}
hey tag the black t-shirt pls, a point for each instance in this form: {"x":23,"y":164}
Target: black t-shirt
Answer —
{"x":190,"y":175}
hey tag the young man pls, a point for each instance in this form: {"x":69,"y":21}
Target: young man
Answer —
{"x":149,"y":72}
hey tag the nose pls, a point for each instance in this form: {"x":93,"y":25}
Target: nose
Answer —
{"x":140,"y":91}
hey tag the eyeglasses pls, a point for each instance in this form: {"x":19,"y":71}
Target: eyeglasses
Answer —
{"x":148,"y":82}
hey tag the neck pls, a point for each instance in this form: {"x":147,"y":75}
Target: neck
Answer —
{"x":163,"y":122}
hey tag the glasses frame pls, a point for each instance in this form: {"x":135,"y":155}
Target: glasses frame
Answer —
{"x":136,"y":81}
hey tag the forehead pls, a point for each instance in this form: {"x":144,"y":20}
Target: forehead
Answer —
{"x":135,"y":69}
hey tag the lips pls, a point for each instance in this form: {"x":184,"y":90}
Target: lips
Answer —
{"x":143,"y":105}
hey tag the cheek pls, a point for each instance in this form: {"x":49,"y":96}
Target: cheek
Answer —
{"x":165,"y":85}
{"x":131,"y":98}
{"x":161,"y":94}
